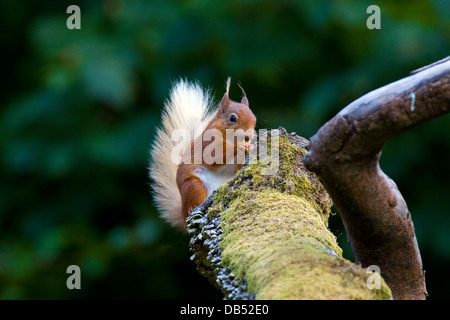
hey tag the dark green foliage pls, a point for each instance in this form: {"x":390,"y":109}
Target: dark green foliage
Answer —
{"x":79,"y":110}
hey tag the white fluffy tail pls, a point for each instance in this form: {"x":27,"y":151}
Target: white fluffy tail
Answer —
{"x":190,"y":108}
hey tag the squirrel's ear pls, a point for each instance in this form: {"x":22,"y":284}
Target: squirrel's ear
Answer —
{"x":244,"y":99}
{"x":225,"y":103}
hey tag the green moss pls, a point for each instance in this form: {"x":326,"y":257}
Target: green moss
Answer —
{"x":276,"y":236}
{"x":291,"y":178}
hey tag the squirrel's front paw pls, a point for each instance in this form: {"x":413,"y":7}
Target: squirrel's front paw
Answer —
{"x":244,"y":146}
{"x":191,"y":209}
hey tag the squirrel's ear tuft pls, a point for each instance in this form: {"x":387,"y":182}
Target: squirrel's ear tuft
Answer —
{"x":244,"y":101}
{"x":228,"y":85}
{"x":225,"y":103}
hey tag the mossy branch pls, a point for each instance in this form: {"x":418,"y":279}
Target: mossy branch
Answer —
{"x":265,"y":236}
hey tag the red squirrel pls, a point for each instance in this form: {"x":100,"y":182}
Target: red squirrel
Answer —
{"x":208,"y":156}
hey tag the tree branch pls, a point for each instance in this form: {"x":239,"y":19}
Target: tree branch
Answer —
{"x":345,"y":154}
{"x":265,"y":236}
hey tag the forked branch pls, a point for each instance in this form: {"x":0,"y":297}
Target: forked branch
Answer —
{"x":345,"y":154}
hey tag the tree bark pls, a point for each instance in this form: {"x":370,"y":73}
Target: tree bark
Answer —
{"x":345,"y":154}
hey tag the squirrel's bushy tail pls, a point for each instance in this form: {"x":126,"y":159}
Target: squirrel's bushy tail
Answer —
{"x":190,"y":108}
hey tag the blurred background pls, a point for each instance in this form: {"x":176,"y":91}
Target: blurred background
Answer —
{"x":79,"y":108}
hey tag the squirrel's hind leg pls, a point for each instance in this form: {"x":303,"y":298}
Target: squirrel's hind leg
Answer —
{"x":193,"y":193}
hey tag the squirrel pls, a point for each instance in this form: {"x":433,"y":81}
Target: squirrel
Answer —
{"x":203,"y":163}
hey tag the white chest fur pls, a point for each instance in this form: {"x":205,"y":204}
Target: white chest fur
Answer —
{"x":214,"y":178}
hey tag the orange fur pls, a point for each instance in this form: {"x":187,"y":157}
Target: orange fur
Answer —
{"x":195,"y":181}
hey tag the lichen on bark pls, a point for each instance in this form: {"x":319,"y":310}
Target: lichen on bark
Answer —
{"x":267,"y":237}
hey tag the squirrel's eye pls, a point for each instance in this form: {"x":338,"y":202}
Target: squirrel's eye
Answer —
{"x":233,"y":118}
